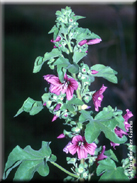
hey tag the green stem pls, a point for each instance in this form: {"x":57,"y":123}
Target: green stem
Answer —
{"x":64,"y":170}
{"x":69,"y":46}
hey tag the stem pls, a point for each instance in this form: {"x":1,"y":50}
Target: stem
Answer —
{"x":64,"y":170}
{"x":69,"y":46}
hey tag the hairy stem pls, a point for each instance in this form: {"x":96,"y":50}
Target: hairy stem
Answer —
{"x":64,"y":170}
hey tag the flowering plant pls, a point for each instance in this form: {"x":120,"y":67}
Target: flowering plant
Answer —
{"x":67,"y":98}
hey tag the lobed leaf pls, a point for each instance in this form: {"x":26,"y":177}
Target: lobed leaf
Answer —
{"x":31,"y":106}
{"x":40,"y":60}
{"x":110,"y":171}
{"x":105,"y":72}
{"x":29,"y":161}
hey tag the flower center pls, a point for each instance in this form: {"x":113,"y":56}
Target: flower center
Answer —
{"x":80,"y":143}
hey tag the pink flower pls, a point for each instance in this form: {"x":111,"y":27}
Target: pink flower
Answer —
{"x":61,"y":136}
{"x":126,"y":117}
{"x":56,"y":109}
{"x":101,"y":155}
{"x":81,"y":43}
{"x":56,"y":40}
{"x":44,"y":104}
{"x":98,"y":97}
{"x":68,"y":86}
{"x":94,"y":72}
{"x":94,"y":41}
{"x":114,"y":144}
{"x":80,"y":146}
{"x":119,"y":133}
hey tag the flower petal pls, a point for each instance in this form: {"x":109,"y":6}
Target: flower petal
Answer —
{"x":81,"y":153}
{"x":72,"y":149}
{"x":94,"y":41}
{"x":55,"y":89}
{"x":90,"y":148}
{"x":61,"y":136}
{"x":76,"y":139}
{"x":69,"y":93}
{"x":52,"y":79}
{"x":73,"y":83}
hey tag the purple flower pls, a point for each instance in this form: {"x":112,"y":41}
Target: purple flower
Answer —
{"x":80,"y":146}
{"x":94,"y":72}
{"x":81,"y":43}
{"x":101,"y":155}
{"x":94,"y":41}
{"x":114,"y":144}
{"x":56,"y":109}
{"x":98,"y":97}
{"x":68,"y":86}
{"x":61,"y":136}
{"x":126,"y":117}
{"x":56,"y":40}
{"x":119,"y":133}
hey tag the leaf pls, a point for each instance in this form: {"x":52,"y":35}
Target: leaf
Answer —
{"x":92,"y":131}
{"x":85,"y":116}
{"x":105,"y":72}
{"x":77,"y":56}
{"x":73,"y":68}
{"x":31,"y":106}
{"x":110,"y":171}
{"x":38,"y":64}
{"x":104,"y":165}
{"x":111,"y":154}
{"x":104,"y":121}
{"x":85,"y":34}
{"x":29,"y":161}
{"x":40,"y":60}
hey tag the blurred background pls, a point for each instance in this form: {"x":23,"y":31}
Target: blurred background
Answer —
{"x":26,"y":36}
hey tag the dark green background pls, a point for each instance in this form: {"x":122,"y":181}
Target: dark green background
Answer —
{"x":26,"y":36}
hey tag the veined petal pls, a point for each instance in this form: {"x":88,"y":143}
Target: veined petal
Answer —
{"x":52,"y":79}
{"x":69,"y":92}
{"x":55,"y":89}
{"x":72,"y":149}
{"x":73,"y":83}
{"x":76,"y":139}
{"x":90,"y":148}
{"x":81,"y":153}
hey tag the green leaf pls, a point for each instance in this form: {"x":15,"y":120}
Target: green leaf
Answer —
{"x":111,"y":154}
{"x":38,"y":64}
{"x":105,"y":72}
{"x":40,"y":60}
{"x":85,"y":34}
{"x":73,"y":68}
{"x":104,"y":165}
{"x":31,"y":106}
{"x":54,"y":28}
{"x":29,"y":161}
{"x":92,"y":131}
{"x":106,"y":122}
{"x":77,"y":56}
{"x":110,"y":171}
{"x":85,"y":116}
{"x":26,"y":170}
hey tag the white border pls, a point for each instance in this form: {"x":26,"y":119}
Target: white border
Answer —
{"x":68,"y":1}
